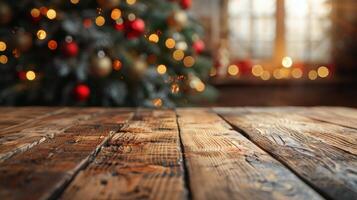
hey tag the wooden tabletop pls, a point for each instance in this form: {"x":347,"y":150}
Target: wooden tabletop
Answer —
{"x":188,"y":153}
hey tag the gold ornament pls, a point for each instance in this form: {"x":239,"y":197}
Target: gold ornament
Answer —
{"x":101,"y":66}
{"x":5,"y":13}
{"x":108,"y":4}
{"x":178,"y":20}
{"x":23,"y":41}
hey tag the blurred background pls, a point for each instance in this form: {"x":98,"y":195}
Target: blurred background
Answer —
{"x":167,"y":53}
{"x":282,"y":52}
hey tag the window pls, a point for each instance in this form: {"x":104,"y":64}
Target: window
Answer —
{"x":307,"y":30}
{"x":269,"y":29}
{"x":252,"y":28}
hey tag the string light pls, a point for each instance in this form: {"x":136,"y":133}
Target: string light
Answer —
{"x":265,"y":75}
{"x":170,"y":43}
{"x":100,"y":21}
{"x":51,"y":14}
{"x":287,"y":62}
{"x":131,"y":17}
{"x":74,"y":1}
{"x":2,"y":46}
{"x":233,"y":70}
{"x":157,"y":102}
{"x":257,"y":70}
{"x":161,"y":69}
{"x":117,"y":65}
{"x":154,"y":38}
{"x":35,"y":12}
{"x":178,"y":55}
{"x":200,"y":87}
{"x":296,"y":73}
{"x":277,"y":74}
{"x":130,"y":2}
{"x":3,"y":59}
{"x":115,"y":14}
{"x":175,"y":88}
{"x":41,"y":34}
{"x":312,"y":75}
{"x":188,"y":61}
{"x":323,"y":72}
{"x":30,"y":75}
{"x":52,"y":44}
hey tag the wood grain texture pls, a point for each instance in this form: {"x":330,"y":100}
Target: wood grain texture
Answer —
{"x":142,"y":161}
{"x":346,"y":117}
{"x":43,"y":171}
{"x":11,"y":116}
{"x":222,"y":164}
{"x":322,"y":154}
{"x":28,"y":134}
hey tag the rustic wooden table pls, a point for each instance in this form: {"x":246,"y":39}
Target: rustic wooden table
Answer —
{"x":192,"y":153}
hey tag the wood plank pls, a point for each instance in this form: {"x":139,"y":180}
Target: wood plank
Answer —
{"x":20,"y":138}
{"x":223,"y":164}
{"x":11,"y":116}
{"x":142,"y":161}
{"x":346,"y":117}
{"x":43,"y":171}
{"x":322,"y":154}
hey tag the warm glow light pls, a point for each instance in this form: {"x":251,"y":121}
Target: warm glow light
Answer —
{"x":233,"y":70}
{"x":277,"y":74}
{"x":2,"y":46}
{"x":161,"y":69}
{"x":323,"y":72}
{"x":131,"y":17}
{"x":200,"y":87}
{"x":312,"y":75}
{"x":157,"y":102}
{"x":257,"y":70}
{"x":3,"y":59}
{"x":188,"y":61}
{"x":35,"y":12}
{"x":52,"y":44}
{"x":51,"y":14}
{"x":175,"y":88}
{"x":130,"y":2}
{"x":100,"y":21}
{"x":41,"y":34}
{"x":265,"y":75}
{"x":287,"y":62}
{"x":170,"y":43}
{"x":117,"y":65}
{"x":30,"y":75}
{"x":178,"y":55}
{"x":296,"y":73}
{"x":115,"y":14}
{"x":74,"y":1}
{"x":154,"y":38}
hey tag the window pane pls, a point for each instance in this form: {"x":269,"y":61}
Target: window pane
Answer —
{"x":307,"y":26}
{"x":252,"y":28}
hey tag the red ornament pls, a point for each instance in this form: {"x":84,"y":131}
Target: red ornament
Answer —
{"x":81,"y":92}
{"x":135,"y":28}
{"x":119,"y":26}
{"x":198,"y":46}
{"x":185,"y":4}
{"x":70,"y":49}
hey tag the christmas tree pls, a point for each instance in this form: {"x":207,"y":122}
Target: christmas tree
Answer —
{"x":101,"y":53}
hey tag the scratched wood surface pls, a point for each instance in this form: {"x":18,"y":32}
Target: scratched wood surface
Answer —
{"x":322,"y":154}
{"x":190,"y":153}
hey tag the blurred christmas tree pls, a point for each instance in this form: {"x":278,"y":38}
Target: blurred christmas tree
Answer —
{"x":104,"y":52}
